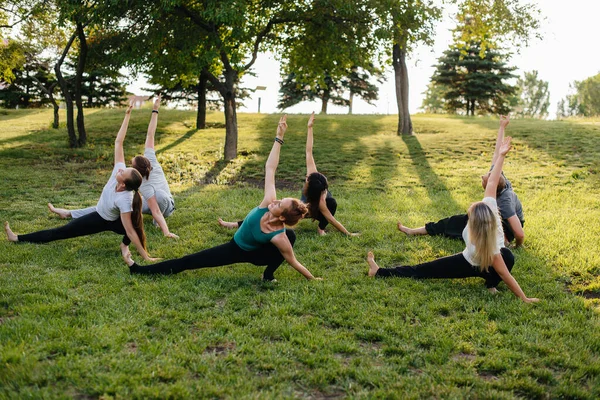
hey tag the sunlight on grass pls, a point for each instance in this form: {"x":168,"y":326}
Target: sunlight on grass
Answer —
{"x":74,"y":323}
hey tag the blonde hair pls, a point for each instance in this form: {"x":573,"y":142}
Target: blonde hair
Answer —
{"x":482,"y":227}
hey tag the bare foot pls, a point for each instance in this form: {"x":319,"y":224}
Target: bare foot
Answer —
{"x":125,"y":250}
{"x":9,"y":233}
{"x":373,"y":267}
{"x":228,"y":225}
{"x":321,"y":232}
{"x":127,"y":258}
{"x":60,"y":211}
{"x":410,"y":231}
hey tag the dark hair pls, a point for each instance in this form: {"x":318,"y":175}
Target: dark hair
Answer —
{"x":133,"y":184}
{"x":312,"y":190}
{"x":295,"y":213}
{"x":142,"y":165}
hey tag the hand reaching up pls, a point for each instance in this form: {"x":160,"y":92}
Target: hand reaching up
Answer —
{"x":311,"y":120}
{"x":505,"y":148}
{"x":504,"y":121}
{"x":282,"y":127}
{"x":156,"y":103}
{"x":129,"y":108}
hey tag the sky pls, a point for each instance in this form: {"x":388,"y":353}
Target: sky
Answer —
{"x":567,"y":52}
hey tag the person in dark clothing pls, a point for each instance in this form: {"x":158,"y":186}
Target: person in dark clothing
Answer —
{"x":262,"y":238}
{"x":119,"y":208}
{"x":484,"y":256}
{"x":509,"y":206}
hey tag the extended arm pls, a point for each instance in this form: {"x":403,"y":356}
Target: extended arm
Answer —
{"x":152,"y":125}
{"x":272,"y":163}
{"x":504,"y":121}
{"x":133,"y":236}
{"x":282,"y":242}
{"x":492,"y":183}
{"x":327,"y":214}
{"x":159,"y":218}
{"x":517,"y":229}
{"x":511,"y":282}
{"x":310,"y":161}
{"x":119,"y":154}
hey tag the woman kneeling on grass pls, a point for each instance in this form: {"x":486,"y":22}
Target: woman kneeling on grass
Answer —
{"x":485,"y":255}
{"x":119,"y":208}
{"x":262,"y":238}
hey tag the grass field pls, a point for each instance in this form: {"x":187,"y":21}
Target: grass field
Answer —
{"x":75,"y":324}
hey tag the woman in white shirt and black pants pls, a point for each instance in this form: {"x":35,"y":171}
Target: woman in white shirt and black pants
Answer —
{"x":119,"y":208}
{"x":484,"y":256}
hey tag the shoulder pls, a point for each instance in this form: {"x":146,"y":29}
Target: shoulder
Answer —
{"x":491,"y":202}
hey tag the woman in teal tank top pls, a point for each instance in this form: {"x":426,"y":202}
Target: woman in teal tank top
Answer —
{"x":261,"y":239}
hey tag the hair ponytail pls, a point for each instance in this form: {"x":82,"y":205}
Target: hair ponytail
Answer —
{"x":137,"y":219}
{"x":136,"y":216}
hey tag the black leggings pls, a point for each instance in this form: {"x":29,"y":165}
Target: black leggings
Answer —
{"x":455,"y":266}
{"x":86,"y":225}
{"x":453,"y":227}
{"x":225,"y":254}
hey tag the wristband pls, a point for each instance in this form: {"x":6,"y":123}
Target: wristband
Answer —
{"x":155,"y":111}
{"x":280,"y":141}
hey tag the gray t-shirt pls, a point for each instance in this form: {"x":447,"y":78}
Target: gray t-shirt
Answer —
{"x":156,"y":181}
{"x":113,"y":203}
{"x":508,"y":202}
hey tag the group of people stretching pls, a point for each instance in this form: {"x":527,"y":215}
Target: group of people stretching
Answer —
{"x":262,"y":237}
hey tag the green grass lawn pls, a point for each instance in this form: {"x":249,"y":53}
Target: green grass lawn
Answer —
{"x":75,"y":324}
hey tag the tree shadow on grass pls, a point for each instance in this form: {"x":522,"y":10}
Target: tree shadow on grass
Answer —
{"x":188,"y":135}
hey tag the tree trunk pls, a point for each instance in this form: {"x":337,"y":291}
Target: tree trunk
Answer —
{"x":401,"y":80}
{"x":324,"y":102}
{"x":66,"y":95}
{"x":201,"y":115}
{"x":350,"y":102}
{"x":83,"y":49}
{"x":231,"y":131}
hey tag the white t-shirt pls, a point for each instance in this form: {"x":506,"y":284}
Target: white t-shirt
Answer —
{"x":469,"y":252}
{"x":113,"y":203}
{"x":156,"y":180}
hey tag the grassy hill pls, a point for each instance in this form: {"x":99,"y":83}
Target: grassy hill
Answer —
{"x":74,"y":323}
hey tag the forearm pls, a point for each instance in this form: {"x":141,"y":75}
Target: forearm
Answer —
{"x":133,"y":236}
{"x":492,"y":183}
{"x":162,"y":223}
{"x":513,"y":285}
{"x":309,"y":141}
{"x":273,"y":160}
{"x":123,"y":131}
{"x":499,"y":141}
{"x":302,"y":269}
{"x":151,"y":130}
{"x":338,"y":225}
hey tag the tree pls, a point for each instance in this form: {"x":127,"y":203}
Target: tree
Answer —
{"x":472,"y":82}
{"x":402,"y":25}
{"x":433,"y":102}
{"x":533,"y":96}
{"x":585,"y":101}
{"x":356,"y":83}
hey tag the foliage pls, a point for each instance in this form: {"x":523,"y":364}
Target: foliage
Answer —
{"x":12,"y":57}
{"x":534,"y":97}
{"x":433,"y":102}
{"x":585,"y":101}
{"x":24,"y":91}
{"x":471,"y":82}
{"x":71,"y":309}
{"x":355,"y":83}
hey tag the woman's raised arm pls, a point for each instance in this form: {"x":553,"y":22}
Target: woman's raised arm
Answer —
{"x":153,"y":124}
{"x":310,"y":161}
{"x":273,"y":162}
{"x":119,"y":154}
{"x":492,"y":183}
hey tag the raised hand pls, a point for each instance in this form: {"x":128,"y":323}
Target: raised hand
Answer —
{"x":156,"y":103}
{"x":282,"y":127}
{"x":505,"y":148}
{"x":504,"y":121}
{"x":129,"y":108}
{"x":311,"y":120}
